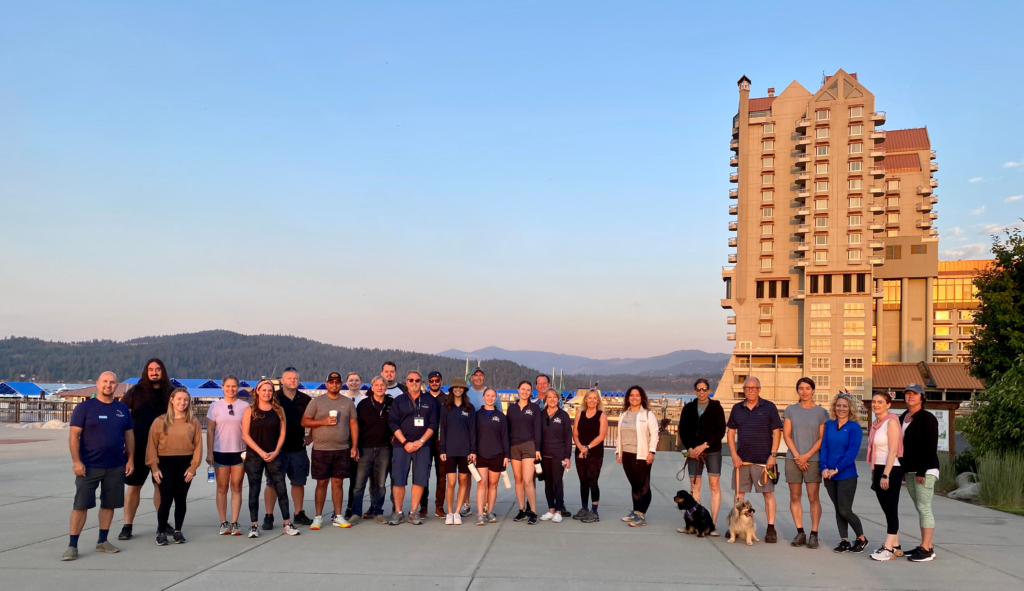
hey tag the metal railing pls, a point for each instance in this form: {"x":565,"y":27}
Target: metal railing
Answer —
{"x":17,"y":410}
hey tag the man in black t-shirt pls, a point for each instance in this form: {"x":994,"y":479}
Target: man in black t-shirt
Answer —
{"x":293,"y":459}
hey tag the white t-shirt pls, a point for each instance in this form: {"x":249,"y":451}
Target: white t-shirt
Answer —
{"x":882,"y":447}
{"x":227,"y":437}
{"x":359,"y":397}
{"x":934,"y":471}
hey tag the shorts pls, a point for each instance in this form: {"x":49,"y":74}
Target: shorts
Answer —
{"x":712,"y":460}
{"x":495,"y":464}
{"x":752,"y":475}
{"x":226,"y":459}
{"x":795,"y":475}
{"x":527,"y":449}
{"x":454,"y":465}
{"x":295,"y":464}
{"x":139,"y":474}
{"x":110,"y":482}
{"x":401,"y":460}
{"x":326,"y":464}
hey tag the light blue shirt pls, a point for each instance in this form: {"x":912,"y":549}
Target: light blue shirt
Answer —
{"x":476,"y":397}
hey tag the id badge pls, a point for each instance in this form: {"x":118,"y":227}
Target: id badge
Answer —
{"x":419,"y":422}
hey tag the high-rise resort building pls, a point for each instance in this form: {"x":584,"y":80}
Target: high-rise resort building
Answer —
{"x":836,"y":251}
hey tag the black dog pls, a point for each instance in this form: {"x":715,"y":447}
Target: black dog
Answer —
{"x":698,"y":519}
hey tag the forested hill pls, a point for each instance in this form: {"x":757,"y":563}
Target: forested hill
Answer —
{"x":212,"y":354}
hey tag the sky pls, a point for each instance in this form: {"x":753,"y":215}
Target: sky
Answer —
{"x":431,"y":175}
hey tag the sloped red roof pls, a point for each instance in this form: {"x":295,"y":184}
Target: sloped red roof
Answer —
{"x":906,"y":140}
{"x":761,"y":104}
{"x":947,"y":376}
{"x":902,"y":163}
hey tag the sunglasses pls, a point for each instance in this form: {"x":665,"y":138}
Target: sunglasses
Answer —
{"x":231,"y":409}
{"x":434,"y":380}
{"x":702,"y":389}
{"x":412,"y":381}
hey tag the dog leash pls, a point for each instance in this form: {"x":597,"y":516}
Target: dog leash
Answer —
{"x":765,"y":474}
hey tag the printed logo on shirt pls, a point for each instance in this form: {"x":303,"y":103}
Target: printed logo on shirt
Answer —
{"x":120,"y":415}
{"x":496,"y":418}
{"x":559,"y":421}
{"x":465,"y":414}
{"x":528,"y":412}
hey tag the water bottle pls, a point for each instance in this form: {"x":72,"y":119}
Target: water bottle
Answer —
{"x":210,"y":475}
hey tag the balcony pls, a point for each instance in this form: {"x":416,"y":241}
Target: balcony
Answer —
{"x":932,"y":216}
{"x":734,"y":178}
{"x":876,"y":261}
{"x":732,"y":242}
{"x":801,"y":262}
{"x":734,"y":145}
{"x":728,"y":271}
{"x":878,"y":293}
{"x":933,"y":199}
{"x":804,"y":140}
{"x":876,"y":190}
{"x":876,"y":227}
{"x":797,"y":294}
{"x":802,"y":212}
{"x":803,"y":122}
{"x":730,"y":336}
{"x":877,"y":171}
{"x":803,"y":194}
{"x":734,"y":209}
{"x":925,"y":223}
{"x":734,"y":161}
{"x":878,"y":117}
{"x":924,"y":190}
{"x":932,"y":154}
{"x":803,"y":177}
{"x":730,"y":320}
{"x":804,"y":158}
{"x":876,"y":244}
{"x":734,"y":194}
{"x":732,"y":259}
{"x":802,"y":246}
{"x":876,"y":208}
{"x":933,"y":184}
{"x":733,"y":226}
{"x":876,"y":152}
{"x":726,"y":304}
{"x":934,"y":167}
{"x":801,"y":229}
{"x":930,"y":237}
{"x":877,"y":134}
{"x":924,"y":207}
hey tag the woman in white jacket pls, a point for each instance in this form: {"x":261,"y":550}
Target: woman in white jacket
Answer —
{"x":635,"y":442}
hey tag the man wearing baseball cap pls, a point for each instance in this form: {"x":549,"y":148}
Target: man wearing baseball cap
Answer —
{"x":335,"y":431}
{"x":476,"y":389}
{"x":434,"y":384}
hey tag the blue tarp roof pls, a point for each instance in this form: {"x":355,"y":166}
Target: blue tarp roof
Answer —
{"x":20,"y":388}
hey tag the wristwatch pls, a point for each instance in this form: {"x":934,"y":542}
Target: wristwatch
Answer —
{"x":588,"y":448}
{"x":884,"y":476}
{"x":423,"y":442}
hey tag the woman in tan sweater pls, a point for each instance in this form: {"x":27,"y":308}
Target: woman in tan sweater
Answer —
{"x":174,"y":452}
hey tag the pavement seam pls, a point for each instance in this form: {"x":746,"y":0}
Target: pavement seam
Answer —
{"x":487,"y":550}
{"x":230,"y":558}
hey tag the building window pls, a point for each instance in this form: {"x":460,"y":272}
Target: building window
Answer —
{"x":853,"y":344}
{"x":768,"y":145}
{"x":766,"y":310}
{"x":918,"y":249}
{"x":821,"y":222}
{"x":853,"y":220}
{"x":814,"y":284}
{"x":821,"y":133}
{"x":821,"y":186}
{"x":853,"y":255}
{"x":821,"y":150}
{"x":954,"y":292}
{"x":821,"y":346}
{"x":826,"y":284}
{"x":768,"y":161}
{"x":821,"y":204}
{"x":767,"y":179}
{"x":854,"y":202}
{"x":853,"y":238}
{"x":821,"y":256}
{"x":821,"y":115}
{"x":856,"y":166}
{"x":853,"y":382}
{"x":938,"y":359}
{"x":856,"y":130}
{"x":942,"y":345}
{"x":967,"y":315}
{"x":768,"y":246}
{"x":773,"y":290}
{"x":853,"y":327}
{"x":855,"y":184}
{"x":892,"y":218}
{"x":768,"y":128}
{"x":821,"y":381}
{"x":767,"y":212}
{"x":767,"y":229}
{"x":964,"y":345}
{"x":821,"y":310}
{"x":766,"y":263}
{"x":760,"y":290}
{"x":893,"y":252}
{"x":943,"y":314}
{"x":820,"y":363}
{"x":821,"y":240}
{"x":821,"y":327}
{"x":853,"y":310}
{"x":854,"y":363}
{"x":892,"y":202}
{"x":862,"y":282}
{"x":967,"y":330}
{"x":744,"y":345}
{"x":894,"y":184}
{"x":784,"y":288}
{"x":856,"y":112}
{"x":892,"y":233}
{"x":767,"y":195}
{"x":857,"y":148}
{"x":766,"y":328}
{"x":821,"y":168}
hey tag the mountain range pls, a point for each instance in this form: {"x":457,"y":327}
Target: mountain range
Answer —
{"x":683,"y":362}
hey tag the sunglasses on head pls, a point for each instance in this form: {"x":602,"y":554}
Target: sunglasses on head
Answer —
{"x":290,"y":368}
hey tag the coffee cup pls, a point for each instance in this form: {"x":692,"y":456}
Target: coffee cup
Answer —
{"x":334,"y":416}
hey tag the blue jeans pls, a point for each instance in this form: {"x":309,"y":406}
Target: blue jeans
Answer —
{"x":377,"y":459}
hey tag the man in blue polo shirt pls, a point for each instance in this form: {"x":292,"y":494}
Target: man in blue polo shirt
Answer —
{"x":759,"y":427}
{"x":413,"y":419}
{"x":102,"y":454}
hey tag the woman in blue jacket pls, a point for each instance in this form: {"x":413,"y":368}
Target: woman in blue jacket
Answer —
{"x":456,"y":443}
{"x":840,"y":444}
{"x":492,"y":452}
{"x":556,"y":434}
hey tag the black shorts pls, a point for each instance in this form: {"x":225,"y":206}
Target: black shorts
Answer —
{"x":495,"y":464}
{"x":226,"y":459}
{"x":140,"y":474}
{"x":110,"y":481}
{"x":453,"y":465}
{"x":330,"y":464}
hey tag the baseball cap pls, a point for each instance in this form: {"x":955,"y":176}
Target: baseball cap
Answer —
{"x":478,"y":369}
{"x":918,"y":388}
{"x":434,"y":374}
{"x":333,"y":376}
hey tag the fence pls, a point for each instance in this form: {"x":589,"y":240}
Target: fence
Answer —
{"x":17,"y":410}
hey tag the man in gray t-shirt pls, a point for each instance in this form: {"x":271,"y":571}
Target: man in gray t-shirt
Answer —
{"x":335,"y":431}
{"x":802,"y":427}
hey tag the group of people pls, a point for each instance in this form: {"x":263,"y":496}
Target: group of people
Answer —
{"x":401,"y":431}
{"x":822,"y":446}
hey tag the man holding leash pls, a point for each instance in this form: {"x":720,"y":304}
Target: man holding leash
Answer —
{"x":759,"y":426}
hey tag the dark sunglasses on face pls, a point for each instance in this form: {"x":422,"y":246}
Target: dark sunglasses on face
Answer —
{"x":434,"y":381}
{"x":412,"y":381}
{"x":702,"y":389}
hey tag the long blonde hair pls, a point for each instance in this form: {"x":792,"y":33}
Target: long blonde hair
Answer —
{"x":189,"y":413}
{"x":254,"y":405}
{"x":600,"y":400}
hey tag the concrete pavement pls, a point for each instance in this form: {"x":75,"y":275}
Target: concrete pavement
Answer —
{"x":977,"y":548}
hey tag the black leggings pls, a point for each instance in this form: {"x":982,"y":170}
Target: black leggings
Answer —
{"x":842,"y":492}
{"x":553,"y":489}
{"x":173,"y":489}
{"x":638,"y":472}
{"x":589,"y":470}
{"x":889,"y":499}
{"x":254,"y":467}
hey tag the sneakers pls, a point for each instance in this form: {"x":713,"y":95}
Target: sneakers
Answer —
{"x":396,"y":518}
{"x":161,"y":539}
{"x":289,"y":530}
{"x":449,"y":519}
{"x":590,"y":517}
{"x":465,"y":511}
{"x":268,"y":522}
{"x":580,"y":514}
{"x":557,"y":518}
{"x":107,"y":548}
{"x":843,"y":546}
{"x":126,"y":533}
{"x":254,"y":532}
{"x":440,"y":514}
{"x":354,"y":520}
{"x":812,"y":541}
{"x":859,"y":545}
{"x":225,"y":528}
{"x":368,"y":515}
{"x":69,"y":554}
{"x":456,"y":519}
{"x":638,"y":521}
{"x":492,"y":518}
{"x":630,"y":517}
{"x":301,"y":519}
{"x":566,"y":514}
{"x":548,"y":516}
{"x":422,"y":513}
{"x":178,"y":537}
{"x":533,"y":519}
{"x":481,"y":519}
{"x":921,"y":555}
{"x":771,"y":536}
{"x":380,"y":520}
{"x":341,"y":522}
{"x":521,"y":515}
{"x":884,"y":554}
{"x":799,"y":540}
{"x":318,"y":521}
{"x":236,"y":530}
{"x":416,"y":519}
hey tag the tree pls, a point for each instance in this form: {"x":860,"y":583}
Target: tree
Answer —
{"x":999,"y":339}
{"x":997,"y":423}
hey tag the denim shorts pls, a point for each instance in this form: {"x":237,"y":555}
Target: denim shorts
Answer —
{"x":294,"y":464}
{"x":712,"y":460}
{"x":420,"y":462}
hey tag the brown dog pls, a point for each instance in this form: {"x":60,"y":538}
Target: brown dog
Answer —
{"x":741,"y":523}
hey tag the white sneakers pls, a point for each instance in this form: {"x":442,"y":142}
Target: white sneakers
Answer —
{"x":549,"y":516}
{"x":557,"y":518}
{"x":453,"y":519}
{"x":289,"y":530}
{"x":340,"y":521}
{"x":318,"y":521}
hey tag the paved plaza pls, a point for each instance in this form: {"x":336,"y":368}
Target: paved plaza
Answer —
{"x":976,"y":548}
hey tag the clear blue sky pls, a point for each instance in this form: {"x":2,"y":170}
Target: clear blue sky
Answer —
{"x":531,"y":175}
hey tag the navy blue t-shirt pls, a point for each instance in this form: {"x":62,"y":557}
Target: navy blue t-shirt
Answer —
{"x":103,"y":426}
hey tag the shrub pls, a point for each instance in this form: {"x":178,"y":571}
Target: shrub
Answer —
{"x":947,"y":473}
{"x":997,"y":423}
{"x":1002,"y":479}
{"x":965,"y":462}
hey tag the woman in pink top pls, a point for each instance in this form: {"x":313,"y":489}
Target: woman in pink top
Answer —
{"x":885,"y":447}
{"x":224,"y":447}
